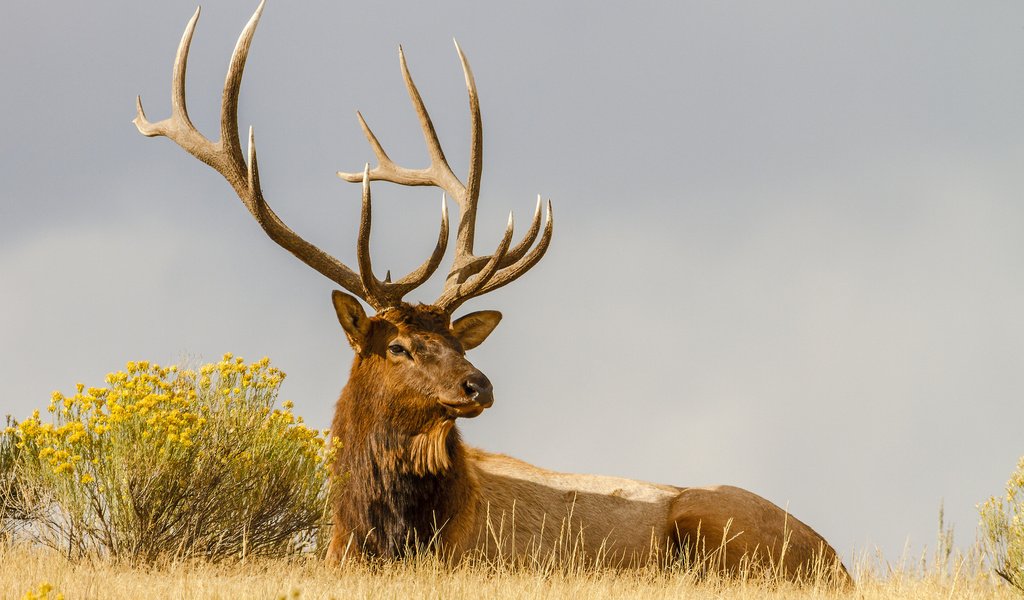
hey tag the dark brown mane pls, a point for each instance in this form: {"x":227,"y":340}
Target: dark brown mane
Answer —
{"x":388,"y":505}
{"x":403,"y":465}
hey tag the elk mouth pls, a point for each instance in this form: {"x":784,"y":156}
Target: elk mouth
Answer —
{"x":467,"y":408}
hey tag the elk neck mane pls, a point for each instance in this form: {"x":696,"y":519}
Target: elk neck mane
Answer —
{"x":405,"y":472}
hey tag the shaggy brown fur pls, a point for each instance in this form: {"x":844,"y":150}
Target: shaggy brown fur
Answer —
{"x":410,"y":483}
{"x":401,"y":456}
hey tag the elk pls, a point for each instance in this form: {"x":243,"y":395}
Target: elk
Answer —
{"x":409,"y":482}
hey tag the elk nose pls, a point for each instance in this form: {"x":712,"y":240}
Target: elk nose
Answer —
{"x":479,"y":389}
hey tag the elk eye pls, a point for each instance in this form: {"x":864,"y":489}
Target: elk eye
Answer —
{"x":398,"y":350}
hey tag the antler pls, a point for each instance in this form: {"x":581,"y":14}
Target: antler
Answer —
{"x":470,"y":275}
{"x":225,"y":156}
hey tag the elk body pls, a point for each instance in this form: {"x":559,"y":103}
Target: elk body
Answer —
{"x":406,"y":479}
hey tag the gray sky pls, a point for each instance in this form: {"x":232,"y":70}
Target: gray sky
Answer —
{"x":788,"y":252}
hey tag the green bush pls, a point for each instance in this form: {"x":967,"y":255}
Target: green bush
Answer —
{"x":168,"y":462}
{"x":1002,"y":524}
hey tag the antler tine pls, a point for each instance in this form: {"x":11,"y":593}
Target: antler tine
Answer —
{"x":520,"y":249}
{"x":454,"y":295}
{"x":374,"y":289}
{"x":438,"y":174}
{"x":514,"y":254}
{"x":178,"y":124}
{"x":381,"y":294}
{"x":511,"y":273}
{"x":494,"y":273}
{"x":225,"y":156}
{"x":467,"y":216}
{"x":230,"y":143}
{"x":438,"y":164}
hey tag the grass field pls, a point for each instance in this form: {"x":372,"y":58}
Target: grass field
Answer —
{"x":29,"y":571}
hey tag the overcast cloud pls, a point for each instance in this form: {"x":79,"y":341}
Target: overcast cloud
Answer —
{"x":788,"y":251}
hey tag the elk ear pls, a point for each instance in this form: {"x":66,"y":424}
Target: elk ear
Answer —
{"x":474,"y":328}
{"x":353,"y":319}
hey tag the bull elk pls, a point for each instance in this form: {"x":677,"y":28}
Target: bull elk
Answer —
{"x":409,"y":480}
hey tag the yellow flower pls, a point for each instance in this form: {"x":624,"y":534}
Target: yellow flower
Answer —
{"x":288,"y":404}
{"x":42,"y":594}
{"x":87,"y":478}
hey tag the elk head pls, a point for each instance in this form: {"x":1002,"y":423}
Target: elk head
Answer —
{"x":413,"y":361}
{"x":416,"y":351}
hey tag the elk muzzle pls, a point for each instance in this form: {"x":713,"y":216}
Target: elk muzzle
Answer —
{"x":477,"y":394}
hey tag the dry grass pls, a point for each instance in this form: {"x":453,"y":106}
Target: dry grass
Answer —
{"x":23,"y":568}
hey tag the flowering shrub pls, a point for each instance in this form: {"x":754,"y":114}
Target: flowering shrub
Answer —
{"x":1002,"y":525}
{"x":176,"y":462}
